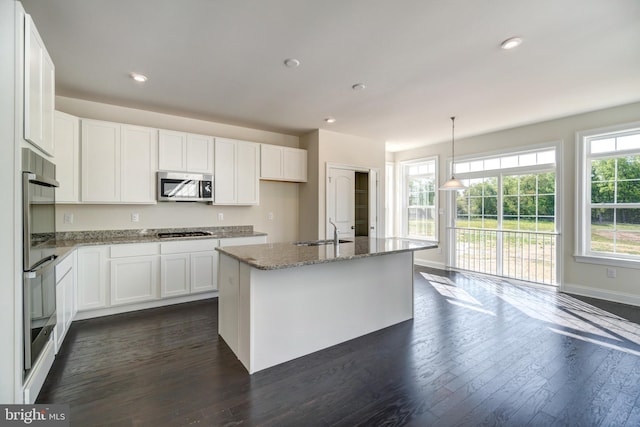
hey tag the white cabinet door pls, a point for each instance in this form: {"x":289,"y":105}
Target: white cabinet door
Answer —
{"x":228,"y":300}
{"x":204,"y":271}
{"x":247,"y":173}
{"x":138,"y":164}
{"x":134,"y":279}
{"x":224,"y":171}
{"x":172,"y":150}
{"x":100,"y":161}
{"x":39,"y":90}
{"x":237,"y":171}
{"x":271,"y":162}
{"x":174,"y":275}
{"x":294,"y":164}
{"x":185,"y":152}
{"x":65,"y":298}
{"x":199,"y":153}
{"x":66,"y":133}
{"x":283,"y":163}
{"x":93,"y":277}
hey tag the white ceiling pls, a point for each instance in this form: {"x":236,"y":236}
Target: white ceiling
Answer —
{"x":422,"y":61}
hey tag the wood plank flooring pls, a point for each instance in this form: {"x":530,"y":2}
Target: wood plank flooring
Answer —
{"x":478,"y":353}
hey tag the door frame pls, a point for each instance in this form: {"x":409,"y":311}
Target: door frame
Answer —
{"x":376,"y":205}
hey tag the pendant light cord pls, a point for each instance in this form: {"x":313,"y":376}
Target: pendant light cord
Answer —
{"x":453,"y":145}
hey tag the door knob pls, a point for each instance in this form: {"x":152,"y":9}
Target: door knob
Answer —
{"x":353,"y":227}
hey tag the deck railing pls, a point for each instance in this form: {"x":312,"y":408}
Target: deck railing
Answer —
{"x":522,"y":255}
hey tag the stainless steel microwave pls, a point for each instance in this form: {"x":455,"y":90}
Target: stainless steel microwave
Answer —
{"x":185,"y":187}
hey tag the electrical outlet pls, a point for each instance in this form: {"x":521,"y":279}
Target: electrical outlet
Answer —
{"x":135,"y":217}
{"x":220,"y":216}
{"x":611,"y":273}
{"x":68,"y":218}
{"x":270,"y":216}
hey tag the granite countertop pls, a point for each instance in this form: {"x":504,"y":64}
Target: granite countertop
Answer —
{"x":65,"y":242}
{"x":273,"y":256}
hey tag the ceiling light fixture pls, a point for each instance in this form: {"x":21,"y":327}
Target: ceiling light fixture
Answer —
{"x":358,"y":86}
{"x":453,"y":184}
{"x":330,"y":119}
{"x":141,"y":78}
{"x":511,"y":43}
{"x":291,"y":63}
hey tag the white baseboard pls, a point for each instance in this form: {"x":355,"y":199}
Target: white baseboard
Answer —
{"x":614,"y":296}
{"x":431,"y":264}
{"x":90,"y":314}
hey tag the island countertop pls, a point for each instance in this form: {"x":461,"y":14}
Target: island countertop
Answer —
{"x":274,"y":256}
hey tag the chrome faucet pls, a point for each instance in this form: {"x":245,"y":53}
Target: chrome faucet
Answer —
{"x":335,"y":233}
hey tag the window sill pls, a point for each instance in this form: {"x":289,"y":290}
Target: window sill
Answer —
{"x":614,"y":262}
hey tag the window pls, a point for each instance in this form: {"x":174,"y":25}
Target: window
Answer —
{"x":419,"y":219}
{"x":609,"y":194}
{"x":505,"y":222}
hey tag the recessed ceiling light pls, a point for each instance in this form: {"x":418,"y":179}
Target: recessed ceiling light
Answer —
{"x":139,"y":77}
{"x":358,"y":86}
{"x":330,"y":119}
{"x":291,"y":63}
{"x":511,"y":43}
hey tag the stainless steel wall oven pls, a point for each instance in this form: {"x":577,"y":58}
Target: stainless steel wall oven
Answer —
{"x":39,"y":284}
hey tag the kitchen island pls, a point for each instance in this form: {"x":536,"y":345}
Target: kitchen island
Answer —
{"x":280,"y":301}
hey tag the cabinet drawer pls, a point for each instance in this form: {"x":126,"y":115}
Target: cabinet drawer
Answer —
{"x":64,"y":266}
{"x":137,"y":249}
{"x":188,"y":246}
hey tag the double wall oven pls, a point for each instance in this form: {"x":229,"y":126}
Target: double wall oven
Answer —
{"x":39,"y":284}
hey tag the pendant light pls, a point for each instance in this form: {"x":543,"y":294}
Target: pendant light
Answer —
{"x":453,"y":184}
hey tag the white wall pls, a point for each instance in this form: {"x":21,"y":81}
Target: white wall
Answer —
{"x":588,"y":279}
{"x":279,"y":198}
{"x":325,"y":147}
{"x":9,"y":247}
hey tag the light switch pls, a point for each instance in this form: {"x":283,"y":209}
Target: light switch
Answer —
{"x":270,"y":216}
{"x":135,"y":217}
{"x":68,"y":218}
{"x":220,"y":216}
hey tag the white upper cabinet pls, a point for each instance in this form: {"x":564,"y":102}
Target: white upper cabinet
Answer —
{"x":39,"y":90}
{"x":199,"y":153}
{"x":236,"y":172}
{"x":66,"y":131}
{"x":100,"y":161}
{"x":118,"y":163}
{"x":138,"y":164}
{"x":185,"y":152}
{"x":283,"y":163}
{"x":294,"y":164}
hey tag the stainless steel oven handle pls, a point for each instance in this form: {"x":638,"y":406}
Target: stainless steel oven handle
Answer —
{"x":43,"y":180}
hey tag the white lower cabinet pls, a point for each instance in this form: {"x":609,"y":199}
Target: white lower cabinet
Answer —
{"x":66,"y":306}
{"x":174,"y":275}
{"x":134,"y":273}
{"x":188,"y":267}
{"x":93,"y":277}
{"x":144,"y":274}
{"x":204,"y":271}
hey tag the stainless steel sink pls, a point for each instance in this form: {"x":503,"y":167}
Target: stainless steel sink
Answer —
{"x":320,"y":242}
{"x":172,"y":234}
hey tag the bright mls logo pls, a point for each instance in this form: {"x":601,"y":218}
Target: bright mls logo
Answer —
{"x":35,"y":415}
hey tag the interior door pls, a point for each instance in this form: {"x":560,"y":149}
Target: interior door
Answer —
{"x":373,"y":203}
{"x":341,"y":202}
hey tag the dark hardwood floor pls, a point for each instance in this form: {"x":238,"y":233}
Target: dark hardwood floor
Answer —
{"x":477,"y":353}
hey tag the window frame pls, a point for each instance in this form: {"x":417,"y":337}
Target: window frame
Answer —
{"x":404,"y":205}
{"x":583,"y":205}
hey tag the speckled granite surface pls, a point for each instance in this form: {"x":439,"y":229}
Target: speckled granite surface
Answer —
{"x":65,"y":242}
{"x":273,"y":256}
